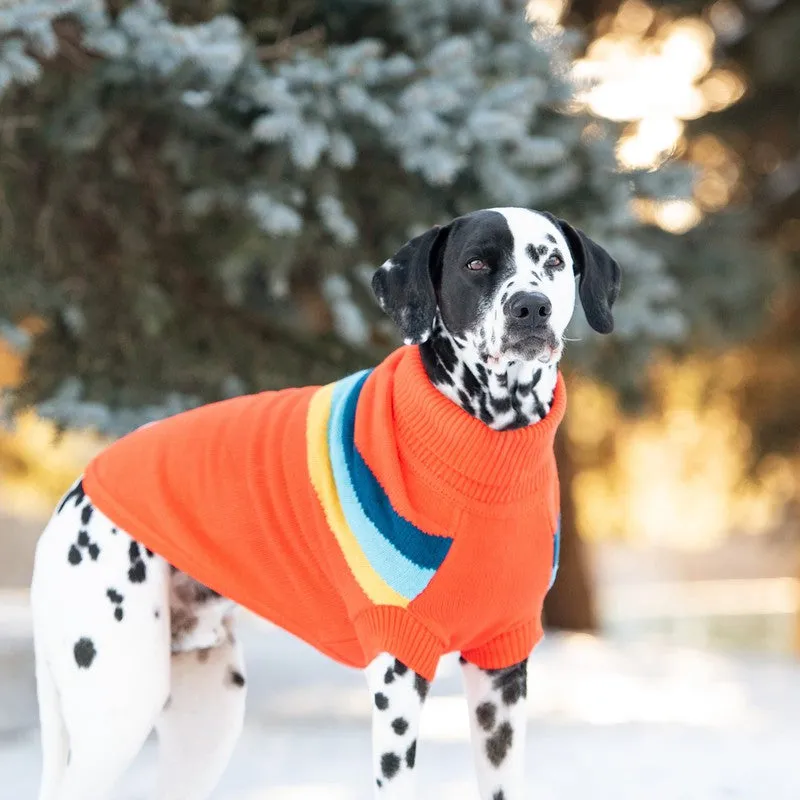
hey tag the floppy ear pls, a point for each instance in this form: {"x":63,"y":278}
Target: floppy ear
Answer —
{"x":599,"y":281}
{"x":404,"y":284}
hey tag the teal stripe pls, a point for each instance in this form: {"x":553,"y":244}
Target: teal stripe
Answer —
{"x":402,"y":574}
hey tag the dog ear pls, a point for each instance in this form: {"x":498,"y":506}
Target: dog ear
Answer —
{"x":599,"y":276}
{"x":404,"y":285}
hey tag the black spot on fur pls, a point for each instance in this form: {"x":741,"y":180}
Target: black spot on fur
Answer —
{"x":83,"y":538}
{"x":399,"y":726}
{"x":499,"y":743}
{"x":86,"y":513}
{"x":74,"y":555}
{"x":499,"y":795}
{"x":134,"y":554}
{"x":84,"y":652}
{"x":532,"y":253}
{"x":114,"y":596}
{"x":470,"y":383}
{"x":390,"y":764}
{"x":118,"y":614}
{"x":502,"y":379}
{"x":446,"y":352}
{"x":464,"y":401}
{"x":381,"y":701}
{"x":422,"y":686}
{"x":94,"y":551}
{"x":236,"y":678}
{"x":550,"y":238}
{"x":379,"y":782}
{"x":115,"y":531}
{"x":411,"y":755}
{"x":434,"y":367}
{"x":400,"y":668}
{"x":149,"y":552}
{"x":157,"y":614}
{"x":76,"y":493}
{"x":512,"y":683}
{"x":137,"y":573}
{"x":389,"y":676}
{"x":486,"y":714}
{"x":501,"y":404}
{"x":483,"y":376}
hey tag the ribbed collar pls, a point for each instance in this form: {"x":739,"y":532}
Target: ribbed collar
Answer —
{"x":438,"y":438}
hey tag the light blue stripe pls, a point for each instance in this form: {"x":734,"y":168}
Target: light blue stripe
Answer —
{"x":404,"y":576}
{"x":556,"y":553}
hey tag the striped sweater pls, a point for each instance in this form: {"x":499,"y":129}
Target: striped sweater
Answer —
{"x":368,"y":515}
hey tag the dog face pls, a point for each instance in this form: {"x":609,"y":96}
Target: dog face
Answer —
{"x":502,"y":283}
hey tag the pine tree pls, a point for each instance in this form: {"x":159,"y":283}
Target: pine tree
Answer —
{"x":194,"y":194}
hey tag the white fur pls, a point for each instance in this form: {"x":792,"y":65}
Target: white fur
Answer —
{"x":528,"y":227}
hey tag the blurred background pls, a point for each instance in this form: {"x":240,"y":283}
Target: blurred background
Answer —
{"x":193,"y":195}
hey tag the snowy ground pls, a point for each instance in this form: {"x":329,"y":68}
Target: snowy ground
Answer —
{"x":607,"y":721}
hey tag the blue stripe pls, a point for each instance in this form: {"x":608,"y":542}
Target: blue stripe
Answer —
{"x":422,"y":548}
{"x":404,"y":575}
{"x":556,"y":553}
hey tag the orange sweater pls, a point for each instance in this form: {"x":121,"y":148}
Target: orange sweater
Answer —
{"x":369,"y":515}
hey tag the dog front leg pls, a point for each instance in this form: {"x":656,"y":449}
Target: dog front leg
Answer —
{"x":397,"y":697}
{"x":498,"y":722}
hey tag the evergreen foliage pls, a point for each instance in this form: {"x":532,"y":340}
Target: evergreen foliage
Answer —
{"x":193,"y":195}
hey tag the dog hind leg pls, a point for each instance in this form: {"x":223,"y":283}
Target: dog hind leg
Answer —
{"x":202,"y":719}
{"x":55,"y":745}
{"x":102,"y":640}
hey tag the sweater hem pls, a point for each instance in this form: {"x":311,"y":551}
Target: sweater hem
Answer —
{"x":507,"y":649}
{"x":394,"y":630}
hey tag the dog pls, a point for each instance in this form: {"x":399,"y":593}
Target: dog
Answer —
{"x":133,"y":632}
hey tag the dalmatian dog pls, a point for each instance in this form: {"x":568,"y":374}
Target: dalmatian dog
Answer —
{"x":490,"y":321}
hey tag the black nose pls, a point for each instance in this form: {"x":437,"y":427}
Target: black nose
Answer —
{"x":531,"y":308}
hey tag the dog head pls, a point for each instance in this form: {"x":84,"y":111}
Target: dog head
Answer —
{"x":502,"y":283}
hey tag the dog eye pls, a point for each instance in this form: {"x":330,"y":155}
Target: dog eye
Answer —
{"x":477,"y":265}
{"x":555,"y":260}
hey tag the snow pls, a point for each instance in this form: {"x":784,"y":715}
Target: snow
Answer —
{"x":608,"y":720}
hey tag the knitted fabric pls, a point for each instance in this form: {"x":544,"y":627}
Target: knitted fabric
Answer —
{"x":369,"y":515}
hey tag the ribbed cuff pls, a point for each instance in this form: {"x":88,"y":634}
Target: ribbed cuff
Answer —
{"x":507,"y":649}
{"x":391,"y":629}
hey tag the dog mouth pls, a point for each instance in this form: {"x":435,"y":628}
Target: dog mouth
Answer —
{"x":541,"y":346}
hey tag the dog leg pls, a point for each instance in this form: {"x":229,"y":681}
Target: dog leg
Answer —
{"x":498,"y":721}
{"x":55,"y":745}
{"x":101,"y":630}
{"x":202,"y":719}
{"x":397,"y":696}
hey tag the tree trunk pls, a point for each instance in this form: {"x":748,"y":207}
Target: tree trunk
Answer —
{"x":570,"y":604}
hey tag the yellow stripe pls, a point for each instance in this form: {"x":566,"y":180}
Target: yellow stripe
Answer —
{"x":319,"y":469}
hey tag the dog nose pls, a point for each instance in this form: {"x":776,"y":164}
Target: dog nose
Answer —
{"x":533,"y":308}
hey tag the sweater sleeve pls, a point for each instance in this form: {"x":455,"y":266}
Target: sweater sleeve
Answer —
{"x":508,"y":648}
{"x":395,"y":630}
